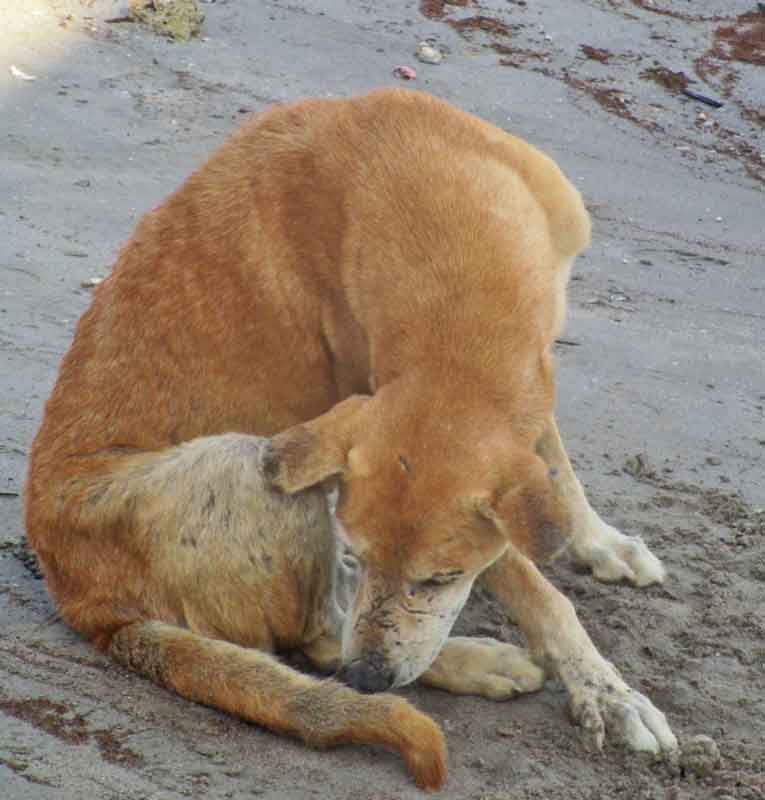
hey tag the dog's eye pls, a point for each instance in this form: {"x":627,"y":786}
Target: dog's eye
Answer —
{"x":349,"y":559}
{"x":436,"y":582}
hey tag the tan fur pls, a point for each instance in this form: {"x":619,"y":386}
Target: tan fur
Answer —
{"x":376,"y":283}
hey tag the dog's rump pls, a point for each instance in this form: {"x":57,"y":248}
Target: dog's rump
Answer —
{"x":189,"y":534}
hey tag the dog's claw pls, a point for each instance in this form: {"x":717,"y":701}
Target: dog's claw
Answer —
{"x":607,"y":708}
{"x":612,"y":556}
{"x":592,"y":725}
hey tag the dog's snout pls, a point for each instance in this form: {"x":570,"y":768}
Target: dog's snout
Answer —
{"x":367,"y":676}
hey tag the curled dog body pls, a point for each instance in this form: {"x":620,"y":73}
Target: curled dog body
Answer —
{"x":360,"y":294}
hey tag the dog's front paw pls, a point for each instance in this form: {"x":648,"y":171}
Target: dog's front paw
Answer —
{"x":612,"y":556}
{"x":484,"y":667}
{"x":606,"y":708}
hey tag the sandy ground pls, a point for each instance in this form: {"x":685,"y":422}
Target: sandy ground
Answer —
{"x":662,"y":385}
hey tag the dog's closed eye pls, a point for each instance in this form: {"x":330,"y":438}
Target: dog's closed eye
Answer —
{"x":349,"y":559}
{"x":437,"y":581}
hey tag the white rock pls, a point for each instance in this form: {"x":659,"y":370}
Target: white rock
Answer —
{"x":428,"y":54}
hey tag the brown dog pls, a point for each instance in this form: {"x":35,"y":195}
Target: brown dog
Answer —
{"x":376,"y":283}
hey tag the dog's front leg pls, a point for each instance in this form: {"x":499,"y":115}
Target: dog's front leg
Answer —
{"x":610,"y":555}
{"x":600,"y":701}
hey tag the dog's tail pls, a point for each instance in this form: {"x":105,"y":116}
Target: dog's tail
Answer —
{"x":257,"y":687}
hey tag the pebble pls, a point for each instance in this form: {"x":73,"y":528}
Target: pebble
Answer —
{"x":700,"y":754}
{"x":428,"y":54}
{"x":89,"y":283}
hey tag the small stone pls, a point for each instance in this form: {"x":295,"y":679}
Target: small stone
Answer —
{"x":90,"y":283}
{"x":638,"y":466}
{"x":700,"y":754}
{"x":428,"y":54}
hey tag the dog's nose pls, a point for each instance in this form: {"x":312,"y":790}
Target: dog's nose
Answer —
{"x":366,"y":677}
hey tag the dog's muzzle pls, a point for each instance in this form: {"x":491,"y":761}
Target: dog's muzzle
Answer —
{"x":368,"y":676}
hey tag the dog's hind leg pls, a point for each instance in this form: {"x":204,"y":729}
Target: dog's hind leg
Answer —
{"x":484,"y":667}
{"x":610,"y":555}
{"x":255,"y":686}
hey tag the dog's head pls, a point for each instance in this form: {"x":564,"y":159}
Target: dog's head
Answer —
{"x":424,"y":508}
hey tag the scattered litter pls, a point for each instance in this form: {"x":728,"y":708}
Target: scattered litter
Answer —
{"x":84,"y":183}
{"x":702,"y":98}
{"x":405,"y":73}
{"x":20,"y":75}
{"x":428,"y":54}
{"x":89,"y":283}
{"x":569,"y":342}
{"x":619,"y":302}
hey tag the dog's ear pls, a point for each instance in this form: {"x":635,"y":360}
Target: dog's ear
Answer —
{"x":307,"y":454}
{"x":529,"y":514}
